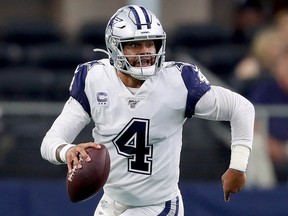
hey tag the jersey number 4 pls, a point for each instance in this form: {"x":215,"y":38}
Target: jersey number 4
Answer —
{"x":132,"y":142}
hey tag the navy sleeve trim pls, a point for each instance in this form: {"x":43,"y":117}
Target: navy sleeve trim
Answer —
{"x":77,"y":89}
{"x":196,"y":84}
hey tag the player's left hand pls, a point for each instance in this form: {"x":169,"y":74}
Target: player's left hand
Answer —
{"x":233,"y":181}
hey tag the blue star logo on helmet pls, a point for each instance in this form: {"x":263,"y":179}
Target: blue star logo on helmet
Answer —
{"x":114,"y":20}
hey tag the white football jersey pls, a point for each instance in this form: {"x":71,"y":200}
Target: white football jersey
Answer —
{"x":142,"y":131}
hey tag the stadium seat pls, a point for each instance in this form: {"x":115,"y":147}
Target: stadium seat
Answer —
{"x":27,"y":132}
{"x":60,"y":56}
{"x":10,"y":54}
{"x":31,"y":33}
{"x":198,"y":36}
{"x":220,"y":59}
{"x":93,"y":33}
{"x":204,"y":156}
{"x":26,"y":83}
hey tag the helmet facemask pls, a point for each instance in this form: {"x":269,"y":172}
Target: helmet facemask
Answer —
{"x":141,"y":72}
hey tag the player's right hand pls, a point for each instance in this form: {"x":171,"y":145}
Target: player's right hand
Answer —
{"x":73,"y":153}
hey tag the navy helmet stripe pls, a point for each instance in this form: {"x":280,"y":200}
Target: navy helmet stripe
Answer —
{"x":146,"y":17}
{"x":137,"y":18}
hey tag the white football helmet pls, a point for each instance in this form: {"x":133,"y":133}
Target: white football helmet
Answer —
{"x":135,"y":23}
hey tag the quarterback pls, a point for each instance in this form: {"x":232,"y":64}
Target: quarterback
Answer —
{"x":139,"y":103}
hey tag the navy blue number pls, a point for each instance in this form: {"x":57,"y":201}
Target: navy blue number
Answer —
{"x":132,"y":142}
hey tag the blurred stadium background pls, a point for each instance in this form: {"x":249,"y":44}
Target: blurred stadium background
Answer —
{"x":42,"y":42}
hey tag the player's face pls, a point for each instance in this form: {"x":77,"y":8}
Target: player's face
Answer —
{"x":140,"y":48}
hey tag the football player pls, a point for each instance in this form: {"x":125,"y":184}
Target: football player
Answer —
{"x":139,"y":103}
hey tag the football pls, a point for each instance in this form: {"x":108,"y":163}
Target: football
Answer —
{"x":84,"y":183}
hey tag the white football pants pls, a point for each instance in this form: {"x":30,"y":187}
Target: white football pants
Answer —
{"x":110,"y":207}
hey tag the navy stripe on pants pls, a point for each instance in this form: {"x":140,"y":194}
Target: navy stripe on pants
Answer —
{"x":170,"y":208}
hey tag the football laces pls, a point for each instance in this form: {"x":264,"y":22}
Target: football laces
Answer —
{"x":70,"y":177}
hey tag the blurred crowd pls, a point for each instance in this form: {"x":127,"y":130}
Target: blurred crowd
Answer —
{"x":252,"y":58}
{"x":262,"y":76}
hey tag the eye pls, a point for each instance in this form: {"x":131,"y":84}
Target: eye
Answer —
{"x":132,"y":45}
{"x":150,"y":43}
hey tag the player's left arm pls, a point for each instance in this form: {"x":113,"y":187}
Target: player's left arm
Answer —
{"x":224,"y":105}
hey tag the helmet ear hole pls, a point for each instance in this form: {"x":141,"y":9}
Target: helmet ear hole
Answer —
{"x":119,"y":64}
{"x":111,"y":61}
{"x":113,"y":41}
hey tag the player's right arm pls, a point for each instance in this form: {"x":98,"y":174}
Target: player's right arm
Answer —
{"x":64,"y":130}
{"x":73,"y":118}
